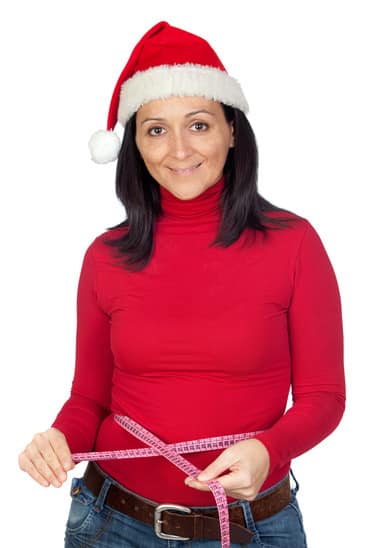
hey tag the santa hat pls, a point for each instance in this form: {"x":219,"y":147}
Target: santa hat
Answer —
{"x":166,"y":61}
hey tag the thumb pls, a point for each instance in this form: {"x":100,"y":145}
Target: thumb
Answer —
{"x":215,"y":468}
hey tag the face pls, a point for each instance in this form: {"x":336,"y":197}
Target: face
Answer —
{"x":184,"y":142}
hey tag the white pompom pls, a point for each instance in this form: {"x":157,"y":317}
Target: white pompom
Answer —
{"x":104,"y":146}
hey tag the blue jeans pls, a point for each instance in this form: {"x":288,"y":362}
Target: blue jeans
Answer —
{"x":92,"y":523}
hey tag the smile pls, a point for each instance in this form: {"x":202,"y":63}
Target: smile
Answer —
{"x":185,"y":171}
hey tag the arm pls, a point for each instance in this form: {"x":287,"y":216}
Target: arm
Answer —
{"x":316,"y":346}
{"x":47,"y":458}
{"x":318,"y":386}
{"x":81,"y":415}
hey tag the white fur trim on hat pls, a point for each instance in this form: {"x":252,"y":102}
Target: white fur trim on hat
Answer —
{"x":180,"y":80}
{"x":104,"y":146}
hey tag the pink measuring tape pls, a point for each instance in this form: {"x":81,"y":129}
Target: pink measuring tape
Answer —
{"x":172,"y":453}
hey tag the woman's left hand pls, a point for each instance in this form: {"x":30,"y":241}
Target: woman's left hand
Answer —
{"x":249,"y":464}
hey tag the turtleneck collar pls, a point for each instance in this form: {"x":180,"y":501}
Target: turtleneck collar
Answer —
{"x":206,"y":205}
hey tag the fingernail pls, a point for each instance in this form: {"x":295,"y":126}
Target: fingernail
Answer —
{"x":189,"y":481}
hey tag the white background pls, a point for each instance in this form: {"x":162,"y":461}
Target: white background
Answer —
{"x":301,"y":66}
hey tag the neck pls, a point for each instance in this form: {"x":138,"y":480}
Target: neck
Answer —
{"x":203,"y":207}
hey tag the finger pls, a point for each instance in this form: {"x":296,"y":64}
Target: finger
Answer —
{"x":240,"y":484}
{"x":203,"y":486}
{"x":229,"y":485}
{"x":53,"y":463}
{"x":62,"y":460}
{"x":42,"y":459}
{"x":236,"y":480}
{"x":195,"y":484}
{"x":242,"y":493}
{"x":27,"y":466}
{"x":218,"y":466}
{"x":61,"y":448}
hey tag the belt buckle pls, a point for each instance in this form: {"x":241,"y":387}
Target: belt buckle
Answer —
{"x":158,"y":521}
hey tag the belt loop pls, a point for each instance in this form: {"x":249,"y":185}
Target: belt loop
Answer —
{"x":246,"y":509}
{"x":296,"y":487}
{"x":99,"y":503}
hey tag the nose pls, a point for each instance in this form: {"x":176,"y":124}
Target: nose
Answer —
{"x":180,"y":146}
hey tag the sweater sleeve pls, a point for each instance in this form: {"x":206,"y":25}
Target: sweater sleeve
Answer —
{"x":316,"y":348}
{"x":89,"y":401}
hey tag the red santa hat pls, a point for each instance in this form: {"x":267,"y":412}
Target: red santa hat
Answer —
{"x":166,"y":61}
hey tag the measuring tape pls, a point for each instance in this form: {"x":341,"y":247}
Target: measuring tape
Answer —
{"x":172,"y":453}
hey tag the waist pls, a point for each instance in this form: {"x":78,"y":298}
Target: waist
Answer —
{"x":194,"y":522}
{"x":154,"y":477}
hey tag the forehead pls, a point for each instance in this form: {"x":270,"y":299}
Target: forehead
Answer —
{"x":173,"y":106}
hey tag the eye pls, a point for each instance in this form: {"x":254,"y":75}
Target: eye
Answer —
{"x":156,"y":130}
{"x":199,"y":126}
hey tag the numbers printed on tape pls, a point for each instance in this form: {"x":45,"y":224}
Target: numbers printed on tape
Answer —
{"x":172,"y":452}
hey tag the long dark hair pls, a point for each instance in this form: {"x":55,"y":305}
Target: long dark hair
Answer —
{"x":241,"y":204}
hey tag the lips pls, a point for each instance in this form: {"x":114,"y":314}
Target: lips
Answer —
{"x":185,"y":170}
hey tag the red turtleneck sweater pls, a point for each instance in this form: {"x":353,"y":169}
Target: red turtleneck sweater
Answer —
{"x":206,"y":341}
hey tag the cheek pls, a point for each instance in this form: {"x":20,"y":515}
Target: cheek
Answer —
{"x":216,"y":148}
{"x":218,"y":153}
{"x":151,"y":154}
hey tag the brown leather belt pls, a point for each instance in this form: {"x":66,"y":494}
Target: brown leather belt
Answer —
{"x":170,"y":523}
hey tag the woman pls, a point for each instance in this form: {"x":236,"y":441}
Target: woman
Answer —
{"x":196,"y":315}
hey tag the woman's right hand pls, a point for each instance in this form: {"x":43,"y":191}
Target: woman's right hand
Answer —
{"x":47,"y":458}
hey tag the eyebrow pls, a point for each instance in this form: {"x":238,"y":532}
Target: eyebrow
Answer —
{"x":188,"y":115}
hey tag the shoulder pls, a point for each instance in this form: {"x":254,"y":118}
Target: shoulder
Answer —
{"x":99,"y":250}
{"x":294,"y":226}
{"x":297,"y":237}
{"x":284,"y":214}
{"x":300,"y":240}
